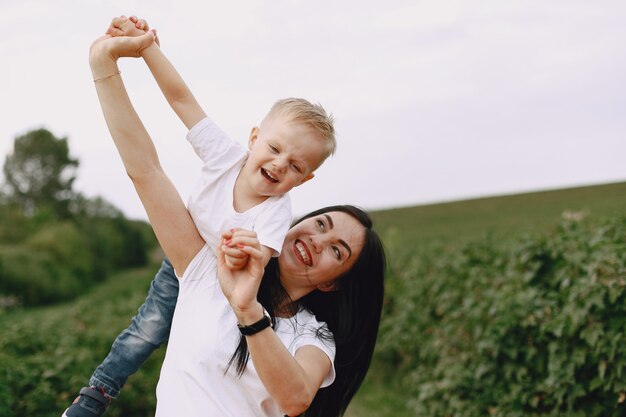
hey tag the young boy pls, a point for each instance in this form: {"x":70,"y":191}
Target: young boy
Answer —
{"x":237,"y":189}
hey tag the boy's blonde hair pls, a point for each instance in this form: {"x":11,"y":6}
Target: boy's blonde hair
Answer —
{"x":313,"y":115}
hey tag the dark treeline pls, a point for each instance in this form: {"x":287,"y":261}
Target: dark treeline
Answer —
{"x":55,"y":242}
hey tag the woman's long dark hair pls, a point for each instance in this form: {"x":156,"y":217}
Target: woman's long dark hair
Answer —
{"x":352,"y":315}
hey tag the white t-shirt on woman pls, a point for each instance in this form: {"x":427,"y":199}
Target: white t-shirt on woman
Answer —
{"x":194,"y":381}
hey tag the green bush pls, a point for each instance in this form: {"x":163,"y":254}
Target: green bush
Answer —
{"x":57,"y":260}
{"x":65,"y":243}
{"x":529,"y":327}
{"x":48,"y":353}
{"x":116,"y":244}
{"x":15,"y":226}
{"x":34,"y":276}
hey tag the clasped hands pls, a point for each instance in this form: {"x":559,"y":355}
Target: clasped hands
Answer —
{"x":125,"y":37}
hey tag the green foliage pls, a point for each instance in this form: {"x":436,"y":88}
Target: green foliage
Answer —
{"x":529,"y":326}
{"x":14,"y":226}
{"x":56,"y":261}
{"x":66,"y":245}
{"x":115,"y":243}
{"x":40,"y":173}
{"x":53,"y":264}
{"x":55,"y":243}
{"x":47,"y":354}
{"x":33,"y":276}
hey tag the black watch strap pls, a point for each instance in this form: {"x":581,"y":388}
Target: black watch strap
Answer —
{"x":254,"y":328}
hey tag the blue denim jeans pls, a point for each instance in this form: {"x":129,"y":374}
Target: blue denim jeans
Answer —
{"x":148,"y":330}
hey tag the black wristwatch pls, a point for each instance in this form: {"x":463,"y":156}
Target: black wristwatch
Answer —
{"x":254,"y":328}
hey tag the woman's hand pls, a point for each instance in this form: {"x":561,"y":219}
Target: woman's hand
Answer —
{"x":117,"y":47}
{"x":106,"y":50}
{"x":241,"y":286}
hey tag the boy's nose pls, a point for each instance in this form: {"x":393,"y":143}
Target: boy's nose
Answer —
{"x":280,"y":164}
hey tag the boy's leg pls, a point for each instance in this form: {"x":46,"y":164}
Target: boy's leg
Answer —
{"x":148,"y":330}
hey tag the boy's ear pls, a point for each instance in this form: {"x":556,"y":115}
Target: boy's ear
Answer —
{"x":254,"y":134}
{"x":305,"y":179}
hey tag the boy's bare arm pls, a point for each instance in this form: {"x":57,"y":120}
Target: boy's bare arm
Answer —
{"x":178,"y":95}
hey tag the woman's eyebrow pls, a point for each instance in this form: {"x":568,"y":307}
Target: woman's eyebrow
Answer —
{"x":341,"y":241}
{"x":330,"y":221}
{"x":345,"y":245}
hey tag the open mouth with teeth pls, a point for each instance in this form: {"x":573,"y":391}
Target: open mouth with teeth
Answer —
{"x":267,"y":175}
{"x":302,"y":253}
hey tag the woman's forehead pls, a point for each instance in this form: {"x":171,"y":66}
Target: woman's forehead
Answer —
{"x":342,"y":226}
{"x":343,"y":221}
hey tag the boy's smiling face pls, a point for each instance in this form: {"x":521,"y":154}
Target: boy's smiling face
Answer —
{"x":283,"y":155}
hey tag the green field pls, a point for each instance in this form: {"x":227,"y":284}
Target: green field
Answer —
{"x":48,"y":353}
{"x":504,"y":216}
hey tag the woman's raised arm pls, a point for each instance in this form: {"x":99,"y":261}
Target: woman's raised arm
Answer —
{"x":168,"y":215}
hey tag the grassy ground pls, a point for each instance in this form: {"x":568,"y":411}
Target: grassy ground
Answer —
{"x":498,"y":216}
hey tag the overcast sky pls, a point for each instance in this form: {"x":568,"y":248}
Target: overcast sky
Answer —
{"x":434,"y":100}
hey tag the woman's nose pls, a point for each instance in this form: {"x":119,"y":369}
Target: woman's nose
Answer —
{"x":317,"y":242}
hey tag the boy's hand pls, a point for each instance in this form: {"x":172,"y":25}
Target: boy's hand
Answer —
{"x":130,"y":26}
{"x":235,"y":258}
{"x":235,"y":263}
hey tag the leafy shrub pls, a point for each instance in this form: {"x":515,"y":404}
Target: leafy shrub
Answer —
{"x":48,"y":353}
{"x":532,"y":326}
{"x":115,"y":243}
{"x":65,"y":243}
{"x":57,"y":260}
{"x":34,"y":276}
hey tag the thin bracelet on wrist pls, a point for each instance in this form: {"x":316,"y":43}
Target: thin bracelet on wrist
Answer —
{"x":107,"y":76}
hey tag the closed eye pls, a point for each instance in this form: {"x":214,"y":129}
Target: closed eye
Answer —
{"x":273,"y":148}
{"x":297,"y":168}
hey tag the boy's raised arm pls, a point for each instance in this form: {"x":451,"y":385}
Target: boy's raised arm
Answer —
{"x":178,"y":95}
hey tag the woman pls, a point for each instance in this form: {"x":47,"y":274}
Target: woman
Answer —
{"x":330,"y":270}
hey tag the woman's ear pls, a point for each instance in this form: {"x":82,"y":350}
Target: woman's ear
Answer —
{"x":329,"y":286}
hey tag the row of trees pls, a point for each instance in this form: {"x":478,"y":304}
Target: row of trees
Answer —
{"x":54,"y":241}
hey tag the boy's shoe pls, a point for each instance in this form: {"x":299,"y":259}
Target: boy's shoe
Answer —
{"x":91,"y":402}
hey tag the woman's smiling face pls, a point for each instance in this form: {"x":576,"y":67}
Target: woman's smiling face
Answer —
{"x":318,"y":250}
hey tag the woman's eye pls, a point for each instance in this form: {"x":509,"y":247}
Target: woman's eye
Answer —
{"x":321,"y":225}
{"x":337,"y":252}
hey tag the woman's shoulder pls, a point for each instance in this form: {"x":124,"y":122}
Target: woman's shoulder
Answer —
{"x":304,"y":324}
{"x":304,"y":329}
